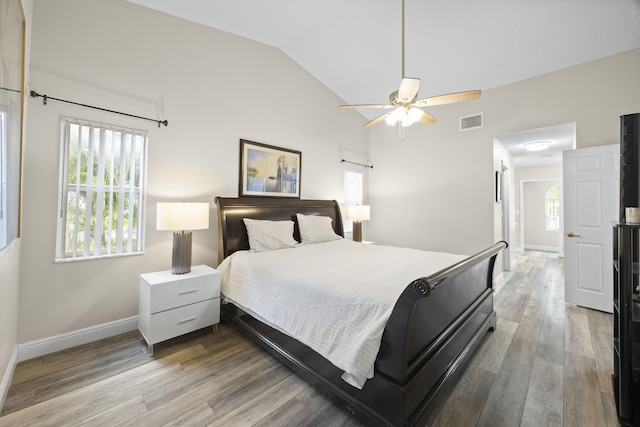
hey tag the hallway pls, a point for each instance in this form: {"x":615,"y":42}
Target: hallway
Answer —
{"x":548,"y":363}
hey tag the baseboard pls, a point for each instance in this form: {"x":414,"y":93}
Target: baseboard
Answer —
{"x":8,"y":374}
{"x":542,"y":248}
{"x":55,"y":343}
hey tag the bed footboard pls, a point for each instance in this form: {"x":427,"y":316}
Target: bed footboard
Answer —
{"x":430,"y":305}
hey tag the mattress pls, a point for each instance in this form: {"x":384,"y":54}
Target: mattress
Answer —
{"x":336,"y":297}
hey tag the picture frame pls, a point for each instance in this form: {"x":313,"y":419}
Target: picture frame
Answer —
{"x":498,"y":186}
{"x":269,"y":171}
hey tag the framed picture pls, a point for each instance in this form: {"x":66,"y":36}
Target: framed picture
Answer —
{"x":270,"y":171}
{"x":498,"y":186}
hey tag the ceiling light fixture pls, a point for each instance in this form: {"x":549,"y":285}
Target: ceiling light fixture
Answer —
{"x":537,"y":146}
{"x":406,"y":107}
{"x":406,"y":116}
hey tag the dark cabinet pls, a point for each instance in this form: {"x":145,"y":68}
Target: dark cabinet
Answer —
{"x":626,"y":323}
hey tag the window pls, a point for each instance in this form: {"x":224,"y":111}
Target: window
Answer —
{"x":552,"y":208}
{"x":102,"y":191}
{"x":353,"y":192}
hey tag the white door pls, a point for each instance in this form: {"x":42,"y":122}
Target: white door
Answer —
{"x":591,"y":194}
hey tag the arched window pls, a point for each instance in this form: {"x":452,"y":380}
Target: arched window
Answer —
{"x":552,"y":208}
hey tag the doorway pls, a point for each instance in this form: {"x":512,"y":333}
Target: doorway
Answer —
{"x":540,"y":230}
{"x":534,"y":166}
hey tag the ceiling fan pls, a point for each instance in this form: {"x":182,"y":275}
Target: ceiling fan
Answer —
{"x":406,"y":109}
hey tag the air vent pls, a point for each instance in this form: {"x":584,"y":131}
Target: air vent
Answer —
{"x":471,"y":122}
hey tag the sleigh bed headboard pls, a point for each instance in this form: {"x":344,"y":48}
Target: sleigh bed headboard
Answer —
{"x":232,"y":233}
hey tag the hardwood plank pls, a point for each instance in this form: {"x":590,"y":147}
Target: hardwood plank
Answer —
{"x":263,"y":405}
{"x":582,"y":396}
{"x":510,"y":304}
{"x":506,"y":399}
{"x":248,"y":387}
{"x":610,"y":411}
{"x":578,"y":338}
{"x":600,"y":327}
{"x":293,"y":413}
{"x":201,"y":415}
{"x":90,"y":400}
{"x":467,"y":400}
{"x":330,"y":416}
{"x":494,"y":347}
{"x":188,"y":379}
{"x":544,"y":402}
{"x":551,"y":344}
{"x":525,"y":341}
{"x":174,"y":404}
{"x":116,"y":414}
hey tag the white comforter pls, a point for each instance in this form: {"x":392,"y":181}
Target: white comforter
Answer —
{"x":335,"y":297}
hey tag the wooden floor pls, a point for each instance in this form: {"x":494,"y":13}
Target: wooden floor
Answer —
{"x":548,"y":363}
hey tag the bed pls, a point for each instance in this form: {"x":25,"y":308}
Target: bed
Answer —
{"x":434,"y":326}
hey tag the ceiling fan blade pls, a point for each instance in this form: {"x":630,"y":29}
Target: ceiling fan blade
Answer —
{"x":376,"y":120}
{"x":365,"y":106}
{"x":427,"y":119}
{"x":447,"y":99}
{"x":408,"y":89}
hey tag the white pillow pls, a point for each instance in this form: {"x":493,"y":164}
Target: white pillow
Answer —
{"x":267,"y":235}
{"x":316,"y":229}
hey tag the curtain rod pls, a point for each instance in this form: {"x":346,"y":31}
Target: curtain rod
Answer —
{"x":10,"y":90}
{"x":354,"y":163}
{"x":35,"y":94}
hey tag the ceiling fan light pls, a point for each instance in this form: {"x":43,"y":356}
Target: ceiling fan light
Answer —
{"x":394,"y":117}
{"x":537,"y":146}
{"x":405,"y":116}
{"x":416,"y":114}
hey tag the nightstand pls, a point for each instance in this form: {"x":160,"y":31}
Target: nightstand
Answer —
{"x":174,"y":304}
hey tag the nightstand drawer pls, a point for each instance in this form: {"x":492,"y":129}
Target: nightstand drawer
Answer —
{"x":179,"y":321}
{"x":162,"y":290}
{"x":185,"y":291}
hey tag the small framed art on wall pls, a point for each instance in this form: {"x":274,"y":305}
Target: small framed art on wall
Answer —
{"x":266,"y":170}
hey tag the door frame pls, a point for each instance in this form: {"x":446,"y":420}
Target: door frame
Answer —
{"x":522,"y":215}
{"x":506,"y":218}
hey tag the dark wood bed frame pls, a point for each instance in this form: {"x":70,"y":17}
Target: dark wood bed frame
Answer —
{"x":434,"y":329}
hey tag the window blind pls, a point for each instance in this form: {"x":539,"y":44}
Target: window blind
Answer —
{"x":102,"y":191}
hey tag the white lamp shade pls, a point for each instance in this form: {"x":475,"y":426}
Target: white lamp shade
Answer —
{"x":358,"y":213}
{"x":182,"y":216}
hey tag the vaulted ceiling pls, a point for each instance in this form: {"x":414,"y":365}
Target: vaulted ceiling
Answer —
{"x":354,"y":46}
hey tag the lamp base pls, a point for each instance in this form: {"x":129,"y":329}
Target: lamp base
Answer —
{"x":181,"y":255}
{"x":357,"y":231}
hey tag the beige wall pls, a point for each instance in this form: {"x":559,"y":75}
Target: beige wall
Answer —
{"x":545,"y":174}
{"x":213,"y":88}
{"x":10,"y":263}
{"x":535,"y":233}
{"x":434,"y":190}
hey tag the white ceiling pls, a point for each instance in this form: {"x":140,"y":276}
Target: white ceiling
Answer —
{"x":354,"y":46}
{"x":561,"y":137}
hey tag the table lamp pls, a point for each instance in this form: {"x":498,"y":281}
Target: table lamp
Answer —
{"x":181,"y":218}
{"x":358,"y":214}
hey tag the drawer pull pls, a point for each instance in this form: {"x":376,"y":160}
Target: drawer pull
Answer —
{"x":188,"y":291}
{"x":190,"y":319}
